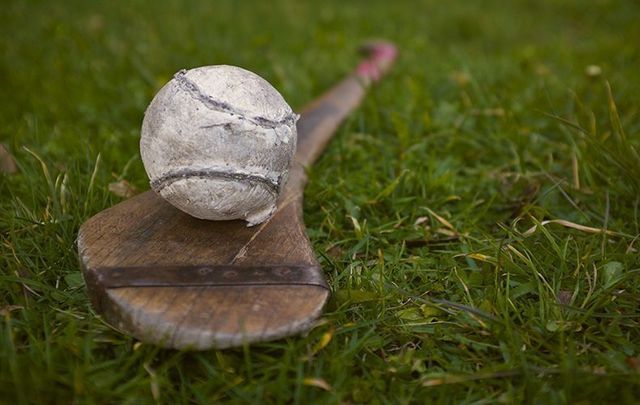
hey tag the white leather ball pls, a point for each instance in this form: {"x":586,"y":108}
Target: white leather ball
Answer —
{"x":217,"y":142}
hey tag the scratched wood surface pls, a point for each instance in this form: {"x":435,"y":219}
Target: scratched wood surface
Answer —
{"x":147,"y":231}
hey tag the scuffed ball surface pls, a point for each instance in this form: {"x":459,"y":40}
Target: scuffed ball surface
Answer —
{"x":217,"y":142}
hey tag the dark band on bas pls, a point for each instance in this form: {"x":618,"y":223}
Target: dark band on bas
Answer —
{"x":204,"y":275}
{"x":161,"y":182}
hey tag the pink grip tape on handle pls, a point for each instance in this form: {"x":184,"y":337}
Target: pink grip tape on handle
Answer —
{"x":381,"y":56}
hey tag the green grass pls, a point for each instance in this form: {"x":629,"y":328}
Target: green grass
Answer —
{"x":419,"y":210}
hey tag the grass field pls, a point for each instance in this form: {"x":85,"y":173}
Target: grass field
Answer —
{"x":429,"y":211}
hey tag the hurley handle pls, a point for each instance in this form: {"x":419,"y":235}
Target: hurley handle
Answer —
{"x":321,"y":118}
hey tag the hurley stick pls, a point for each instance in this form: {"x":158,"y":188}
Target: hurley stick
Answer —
{"x":176,"y":281}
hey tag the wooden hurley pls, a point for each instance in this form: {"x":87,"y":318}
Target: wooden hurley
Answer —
{"x":169,"y":279}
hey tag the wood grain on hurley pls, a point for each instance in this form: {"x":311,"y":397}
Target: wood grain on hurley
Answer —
{"x":176,"y":281}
